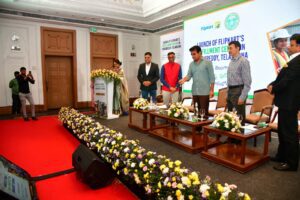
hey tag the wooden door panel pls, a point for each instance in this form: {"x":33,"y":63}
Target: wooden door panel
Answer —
{"x":58,"y":42}
{"x":104,"y":46}
{"x":102,"y":63}
{"x":59,"y":81}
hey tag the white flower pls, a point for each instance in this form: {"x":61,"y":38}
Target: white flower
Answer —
{"x":126,"y":150}
{"x":132,"y":165}
{"x":176,"y":115}
{"x":165,"y":170}
{"x":151,"y":161}
{"x":169,"y":198}
{"x":204,"y":188}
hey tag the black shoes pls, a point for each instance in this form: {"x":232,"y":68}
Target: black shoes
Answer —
{"x":26,"y":119}
{"x":34,"y":118}
{"x":284,"y":167}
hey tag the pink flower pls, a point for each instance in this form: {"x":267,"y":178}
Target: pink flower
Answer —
{"x":140,"y":156}
{"x":174,"y":184}
{"x":145,"y":168}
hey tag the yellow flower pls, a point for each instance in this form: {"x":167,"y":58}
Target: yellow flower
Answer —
{"x":159,"y":185}
{"x":191,"y":197}
{"x":220,"y":188}
{"x":178,"y":193}
{"x":179,"y":186}
{"x":177,"y":162}
{"x":247,"y":197}
{"x":162,"y":167}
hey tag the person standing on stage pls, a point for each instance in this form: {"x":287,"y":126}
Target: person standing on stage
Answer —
{"x":169,"y":77}
{"x":202,"y":72}
{"x":238,"y":80}
{"x":24,"y":92}
{"x":286,"y":89}
{"x":14,"y":85}
{"x":148,"y":75}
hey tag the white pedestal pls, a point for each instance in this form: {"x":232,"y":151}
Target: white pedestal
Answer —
{"x":103,"y":96}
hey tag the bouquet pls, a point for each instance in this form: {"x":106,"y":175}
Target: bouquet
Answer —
{"x":140,"y":104}
{"x":227,"y":121}
{"x":106,"y":74}
{"x":177,"y":110}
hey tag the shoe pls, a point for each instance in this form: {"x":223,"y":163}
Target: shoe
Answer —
{"x":284,"y":167}
{"x":34,"y":118}
{"x":26,"y":119}
{"x":276,"y":159}
{"x":125,"y":113}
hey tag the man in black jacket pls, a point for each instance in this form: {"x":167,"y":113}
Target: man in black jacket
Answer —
{"x":286,"y":88}
{"x":24,"y":92}
{"x":148,"y":75}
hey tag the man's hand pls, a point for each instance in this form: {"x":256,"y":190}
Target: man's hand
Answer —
{"x":146,"y":83}
{"x":211,"y":94}
{"x":172,"y":89}
{"x":241,"y":102}
{"x":270,"y":88}
{"x":181,"y":81}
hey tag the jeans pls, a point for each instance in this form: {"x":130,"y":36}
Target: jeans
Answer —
{"x":152,"y":93}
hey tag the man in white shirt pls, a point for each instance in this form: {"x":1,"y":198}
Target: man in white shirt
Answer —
{"x":148,"y":75}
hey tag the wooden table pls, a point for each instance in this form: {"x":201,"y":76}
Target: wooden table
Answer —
{"x":191,"y":141}
{"x":143,"y":127}
{"x":238,"y":157}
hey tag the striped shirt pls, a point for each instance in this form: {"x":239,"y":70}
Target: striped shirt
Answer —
{"x":239,"y":74}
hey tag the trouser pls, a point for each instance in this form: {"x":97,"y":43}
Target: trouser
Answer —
{"x":202,"y":102}
{"x":232,"y":101}
{"x":152,"y":93}
{"x":167,"y":96}
{"x":288,"y":148}
{"x":29,"y":98}
{"x":16,"y":104}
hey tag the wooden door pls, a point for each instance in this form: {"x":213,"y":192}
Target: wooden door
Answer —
{"x":103,"y":50}
{"x":59,"y":81}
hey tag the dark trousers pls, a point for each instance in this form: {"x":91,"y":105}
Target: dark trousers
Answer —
{"x":232,"y":101}
{"x":202,"y":102}
{"x":16,"y":104}
{"x":152,"y":93}
{"x":288,"y":149}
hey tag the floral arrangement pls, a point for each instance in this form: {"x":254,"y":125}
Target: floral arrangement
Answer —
{"x":106,"y":74}
{"x":141,"y":104}
{"x":228,"y":121}
{"x":161,"y":177}
{"x":177,"y":110}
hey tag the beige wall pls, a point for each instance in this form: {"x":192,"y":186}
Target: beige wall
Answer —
{"x":30,"y":56}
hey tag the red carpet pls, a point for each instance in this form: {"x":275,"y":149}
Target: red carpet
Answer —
{"x":40,"y":147}
{"x":67,"y":187}
{"x":43,"y":147}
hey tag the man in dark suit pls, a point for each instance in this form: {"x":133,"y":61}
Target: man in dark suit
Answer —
{"x":286,"y":88}
{"x":148,"y":75}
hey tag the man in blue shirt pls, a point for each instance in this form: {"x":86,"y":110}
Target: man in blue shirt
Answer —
{"x":202,"y":72}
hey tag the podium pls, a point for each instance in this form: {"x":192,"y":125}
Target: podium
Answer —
{"x":103,"y":97}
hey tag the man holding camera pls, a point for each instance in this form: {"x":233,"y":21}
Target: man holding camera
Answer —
{"x":24,"y":92}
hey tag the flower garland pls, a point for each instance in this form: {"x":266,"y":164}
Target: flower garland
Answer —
{"x":140,"y":104}
{"x":106,"y":74}
{"x":228,"y":121}
{"x":177,"y":110}
{"x":157,"y":174}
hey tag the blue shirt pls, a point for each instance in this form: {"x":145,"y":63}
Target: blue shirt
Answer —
{"x":203,"y":76}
